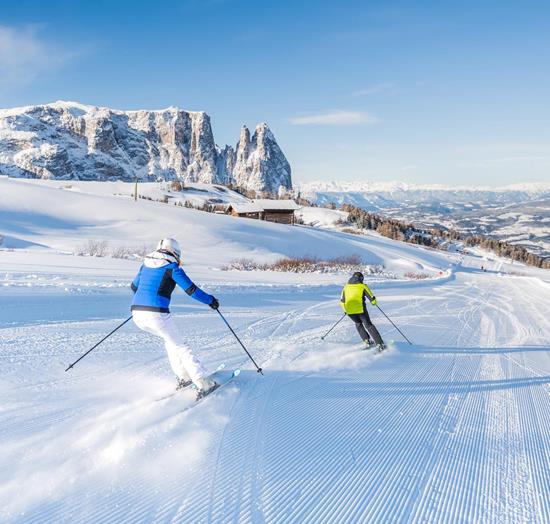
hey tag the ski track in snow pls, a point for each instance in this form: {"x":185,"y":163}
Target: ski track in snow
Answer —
{"x":454,"y":429}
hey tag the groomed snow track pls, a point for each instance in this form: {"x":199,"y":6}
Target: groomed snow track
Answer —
{"x":454,"y":429}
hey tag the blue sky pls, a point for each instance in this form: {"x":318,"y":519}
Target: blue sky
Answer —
{"x":425,"y":92}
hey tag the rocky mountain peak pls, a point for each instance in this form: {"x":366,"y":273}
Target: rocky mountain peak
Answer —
{"x":244,"y":139}
{"x":68,"y":140}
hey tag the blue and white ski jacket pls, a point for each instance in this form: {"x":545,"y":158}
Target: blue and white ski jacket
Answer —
{"x":156,"y":280}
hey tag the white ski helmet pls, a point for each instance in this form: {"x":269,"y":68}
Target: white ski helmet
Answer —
{"x":170,"y":245}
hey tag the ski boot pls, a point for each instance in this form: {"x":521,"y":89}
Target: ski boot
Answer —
{"x":381,"y":347}
{"x":205,"y":386}
{"x":369,"y":344}
{"x":183,"y":383}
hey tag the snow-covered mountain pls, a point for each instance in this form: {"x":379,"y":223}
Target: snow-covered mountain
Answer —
{"x":518,"y":213}
{"x":376,"y":196}
{"x":67,"y":140}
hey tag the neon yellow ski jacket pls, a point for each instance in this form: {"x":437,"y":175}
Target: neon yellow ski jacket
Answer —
{"x":353,"y":298}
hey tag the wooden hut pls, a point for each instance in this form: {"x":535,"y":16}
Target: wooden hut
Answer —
{"x":281,"y":211}
{"x":245,"y":210}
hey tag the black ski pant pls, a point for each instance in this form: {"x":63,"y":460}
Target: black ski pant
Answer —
{"x":365,"y":327}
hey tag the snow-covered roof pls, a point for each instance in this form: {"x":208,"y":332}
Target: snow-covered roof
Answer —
{"x":276,"y":205}
{"x":246,"y":207}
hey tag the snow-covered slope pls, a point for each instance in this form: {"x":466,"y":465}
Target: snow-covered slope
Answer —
{"x":68,"y":140}
{"x":321,"y":217}
{"x":452,"y":429}
{"x":63,"y":217}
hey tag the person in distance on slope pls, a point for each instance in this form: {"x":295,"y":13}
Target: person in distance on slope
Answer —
{"x":354,"y":303}
{"x":153,"y":287}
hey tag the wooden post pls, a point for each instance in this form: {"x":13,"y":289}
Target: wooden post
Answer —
{"x":135,"y":190}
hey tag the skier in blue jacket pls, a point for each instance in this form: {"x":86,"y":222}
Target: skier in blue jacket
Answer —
{"x":153,"y":287}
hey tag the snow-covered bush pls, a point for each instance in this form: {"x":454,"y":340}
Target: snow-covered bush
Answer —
{"x":131,"y":252}
{"x":101,"y":248}
{"x":351,"y":231}
{"x":94,"y":248}
{"x":121,"y":252}
{"x":308,"y":264}
{"x":243,"y":264}
{"x":416,"y":276}
{"x":176,"y":185}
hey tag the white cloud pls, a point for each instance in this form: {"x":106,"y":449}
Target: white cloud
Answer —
{"x":24,"y":55}
{"x":505,"y":148}
{"x":334,"y":118}
{"x":383,"y":87}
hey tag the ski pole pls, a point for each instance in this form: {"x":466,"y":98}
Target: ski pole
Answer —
{"x":402,"y":334}
{"x":258,"y":369}
{"x":104,"y":338}
{"x":340,"y":320}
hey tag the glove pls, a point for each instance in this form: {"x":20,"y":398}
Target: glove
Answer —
{"x":214,"y":304}
{"x":373,"y":301}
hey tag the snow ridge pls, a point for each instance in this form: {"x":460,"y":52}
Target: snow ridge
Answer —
{"x":535,"y":188}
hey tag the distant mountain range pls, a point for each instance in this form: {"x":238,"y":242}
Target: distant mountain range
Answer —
{"x":518,"y":213}
{"x":67,"y":140}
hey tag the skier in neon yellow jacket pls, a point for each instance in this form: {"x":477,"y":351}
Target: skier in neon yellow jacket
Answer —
{"x":354,"y":303}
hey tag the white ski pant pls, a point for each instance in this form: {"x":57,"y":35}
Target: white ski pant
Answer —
{"x":184,"y":363}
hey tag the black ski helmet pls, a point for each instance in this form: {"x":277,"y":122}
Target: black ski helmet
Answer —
{"x":358,"y":276}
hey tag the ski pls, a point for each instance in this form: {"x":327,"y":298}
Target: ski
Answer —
{"x":387,"y":345}
{"x":377,"y":348}
{"x":223,"y":378}
{"x":187,"y":388}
